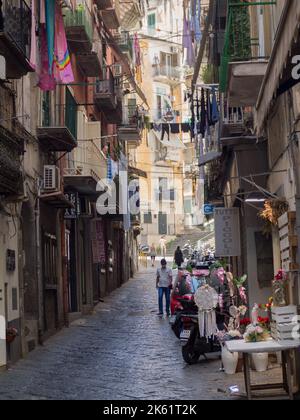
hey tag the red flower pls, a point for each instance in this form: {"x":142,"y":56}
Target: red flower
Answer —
{"x":245,"y":322}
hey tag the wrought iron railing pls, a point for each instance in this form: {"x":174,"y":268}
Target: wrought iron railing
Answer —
{"x":167,"y":71}
{"x":15,"y":22}
{"x":81,"y":16}
{"x":124,"y":41}
{"x":240,"y":41}
{"x":60,"y":115}
{"x":107,"y":85}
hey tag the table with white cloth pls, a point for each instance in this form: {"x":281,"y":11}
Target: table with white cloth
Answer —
{"x":271,"y":346}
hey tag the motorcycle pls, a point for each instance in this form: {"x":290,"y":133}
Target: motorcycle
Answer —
{"x":194,"y":346}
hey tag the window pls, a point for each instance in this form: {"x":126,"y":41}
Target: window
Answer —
{"x":172,"y":194}
{"x":148,"y":218}
{"x":49,"y":259}
{"x":152,"y":21}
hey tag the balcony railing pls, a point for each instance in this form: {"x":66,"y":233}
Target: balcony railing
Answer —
{"x":167,"y":71}
{"x":63,"y":116}
{"x":58,"y":128}
{"x":92,"y":162}
{"x":125,"y":43}
{"x":241,"y":43}
{"x":15,"y":21}
{"x":79,"y":28}
{"x":10,"y":163}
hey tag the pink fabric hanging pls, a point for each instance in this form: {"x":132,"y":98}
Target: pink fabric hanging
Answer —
{"x":137,"y":49}
{"x":46,"y":81}
{"x":42,"y":12}
{"x":62,"y":61}
{"x":33,"y":52}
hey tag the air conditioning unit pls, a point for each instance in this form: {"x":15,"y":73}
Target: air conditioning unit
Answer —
{"x":51,"y":178}
{"x":117,"y":70}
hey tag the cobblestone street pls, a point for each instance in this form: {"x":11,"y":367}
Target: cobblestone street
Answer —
{"x":123,"y":351}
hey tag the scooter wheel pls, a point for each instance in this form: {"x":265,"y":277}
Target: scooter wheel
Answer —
{"x":190,"y":355}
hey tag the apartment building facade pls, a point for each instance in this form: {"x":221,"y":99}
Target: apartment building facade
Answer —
{"x":162,"y":155}
{"x":62,"y":140}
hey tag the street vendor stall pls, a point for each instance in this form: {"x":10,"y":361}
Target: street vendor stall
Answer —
{"x":286,"y":347}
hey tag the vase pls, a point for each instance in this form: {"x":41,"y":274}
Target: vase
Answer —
{"x":229,"y":360}
{"x":260,"y":361}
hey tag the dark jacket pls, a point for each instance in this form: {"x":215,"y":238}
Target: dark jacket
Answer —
{"x":179,"y":257}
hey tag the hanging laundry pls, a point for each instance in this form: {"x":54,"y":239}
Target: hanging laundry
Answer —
{"x":63,"y":69}
{"x":186,"y":127}
{"x":209,"y":109}
{"x":50,"y":27}
{"x":33,"y":52}
{"x":215,"y":114}
{"x":185,"y":35}
{"x":175,"y":128}
{"x":157,"y":127}
{"x":165,"y":129}
{"x":198,"y":33}
{"x":42,"y":12}
{"x":109,"y":169}
{"x":137,"y":50}
{"x":203,"y":114}
{"x":46,"y":81}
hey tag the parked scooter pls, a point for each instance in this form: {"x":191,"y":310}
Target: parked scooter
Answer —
{"x":194,"y":346}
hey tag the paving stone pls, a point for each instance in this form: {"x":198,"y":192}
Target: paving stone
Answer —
{"x":122,"y":351}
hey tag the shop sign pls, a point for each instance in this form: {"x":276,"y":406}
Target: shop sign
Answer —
{"x":73,"y":213}
{"x":227,"y":232}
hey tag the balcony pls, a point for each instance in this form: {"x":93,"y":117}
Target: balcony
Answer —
{"x":107,"y":99}
{"x":243,"y":65}
{"x":58,"y":131}
{"x":15,"y":36}
{"x":90,"y":62}
{"x":125,"y":43}
{"x":131,"y":129}
{"x":110,"y":13}
{"x":84,"y":176}
{"x":79,"y":29}
{"x":167,"y":74}
{"x":11,"y":147}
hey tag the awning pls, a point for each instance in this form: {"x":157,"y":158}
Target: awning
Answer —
{"x":126,"y":66}
{"x":287,"y":31}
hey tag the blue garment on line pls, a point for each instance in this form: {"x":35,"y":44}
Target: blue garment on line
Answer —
{"x":215,"y":114}
{"x":50,"y":27}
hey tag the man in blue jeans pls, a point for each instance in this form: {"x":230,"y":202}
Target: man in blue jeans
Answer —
{"x":163,"y":284}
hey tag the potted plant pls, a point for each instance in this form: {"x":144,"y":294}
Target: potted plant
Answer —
{"x":11,"y":334}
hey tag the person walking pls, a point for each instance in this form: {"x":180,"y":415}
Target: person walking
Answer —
{"x":164,"y":280}
{"x":178,"y":257}
{"x":163,"y":246}
{"x":153,"y":254}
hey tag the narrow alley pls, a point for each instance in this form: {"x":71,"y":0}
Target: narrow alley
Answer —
{"x":123,"y":351}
